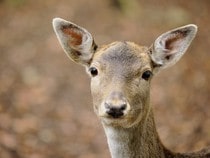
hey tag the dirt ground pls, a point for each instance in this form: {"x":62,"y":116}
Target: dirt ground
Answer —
{"x":45,"y":102}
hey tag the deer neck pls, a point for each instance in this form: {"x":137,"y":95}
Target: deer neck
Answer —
{"x":141,"y":141}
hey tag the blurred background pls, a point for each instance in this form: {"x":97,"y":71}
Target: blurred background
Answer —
{"x":45,"y":102}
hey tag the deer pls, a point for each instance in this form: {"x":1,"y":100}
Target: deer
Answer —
{"x":121,"y":73}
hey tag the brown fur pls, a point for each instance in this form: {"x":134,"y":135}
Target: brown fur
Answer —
{"x":122,"y":76}
{"x":118,"y":61}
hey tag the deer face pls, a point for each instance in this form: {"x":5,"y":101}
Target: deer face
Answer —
{"x":121,"y":71}
{"x":120,"y":80}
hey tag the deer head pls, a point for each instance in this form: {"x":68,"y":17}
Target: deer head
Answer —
{"x":121,"y":72}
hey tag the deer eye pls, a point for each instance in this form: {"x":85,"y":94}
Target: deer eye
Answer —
{"x":146,"y":75}
{"x":93,"y":71}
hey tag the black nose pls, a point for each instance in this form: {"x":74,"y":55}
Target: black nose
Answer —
{"x":115,"y":111}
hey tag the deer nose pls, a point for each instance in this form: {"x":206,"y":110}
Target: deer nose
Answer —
{"x":116,"y":105}
{"x":115,"y":111}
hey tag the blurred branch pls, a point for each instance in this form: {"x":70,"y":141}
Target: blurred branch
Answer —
{"x":12,"y":152}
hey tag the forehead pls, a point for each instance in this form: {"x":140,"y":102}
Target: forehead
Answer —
{"x":122,"y":55}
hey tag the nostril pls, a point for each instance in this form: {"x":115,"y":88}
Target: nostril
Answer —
{"x":123,"y":107}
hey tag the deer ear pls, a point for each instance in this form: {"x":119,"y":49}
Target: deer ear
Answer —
{"x":76,"y":41}
{"x":169,"y":47}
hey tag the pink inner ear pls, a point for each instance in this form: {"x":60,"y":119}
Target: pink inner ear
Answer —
{"x":176,"y":38}
{"x":174,"y":41}
{"x":75,"y":36}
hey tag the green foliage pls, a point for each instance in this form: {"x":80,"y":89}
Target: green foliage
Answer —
{"x":128,"y":7}
{"x":15,"y":3}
